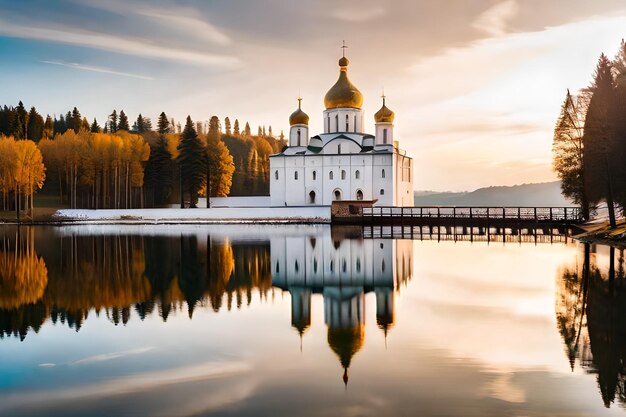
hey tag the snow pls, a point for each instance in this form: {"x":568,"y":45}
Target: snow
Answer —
{"x":253,"y":201}
{"x":307,"y":214}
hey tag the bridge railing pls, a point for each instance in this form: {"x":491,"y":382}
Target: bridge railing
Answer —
{"x":560,"y":214}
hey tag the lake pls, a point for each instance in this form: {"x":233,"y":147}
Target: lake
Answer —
{"x":253,"y":320}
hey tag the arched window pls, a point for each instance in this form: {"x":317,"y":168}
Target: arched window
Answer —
{"x":382,"y":174}
{"x":355,"y":122}
{"x":337,"y":195}
{"x":314,"y":175}
{"x":276,"y":174}
{"x":299,"y":135}
{"x":337,"y":122}
{"x":359,"y":195}
{"x":385,"y":136}
{"x":330,"y":175}
{"x":295,"y":175}
{"x":382,"y":191}
{"x":357,"y":174}
{"x":312,"y":197}
{"x":347,"y":125}
{"x":343,"y":174}
{"x":339,"y":148}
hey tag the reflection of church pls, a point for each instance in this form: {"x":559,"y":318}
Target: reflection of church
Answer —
{"x":342,"y":270}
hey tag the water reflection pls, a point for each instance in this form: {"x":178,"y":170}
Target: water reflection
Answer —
{"x":591,"y":317}
{"x":342,"y":267}
{"x":112,"y":274}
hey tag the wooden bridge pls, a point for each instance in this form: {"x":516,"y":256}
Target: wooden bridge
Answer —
{"x":475,"y":216}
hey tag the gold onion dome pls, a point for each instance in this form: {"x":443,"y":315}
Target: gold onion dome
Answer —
{"x":346,"y":342}
{"x":343,"y":93}
{"x":384,"y":115}
{"x":299,"y":117}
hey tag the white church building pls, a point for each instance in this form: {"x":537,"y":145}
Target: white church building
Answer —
{"x":344,"y":162}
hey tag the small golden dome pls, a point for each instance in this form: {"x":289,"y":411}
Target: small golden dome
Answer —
{"x":343,"y":93}
{"x":384,"y":115}
{"x":299,"y":117}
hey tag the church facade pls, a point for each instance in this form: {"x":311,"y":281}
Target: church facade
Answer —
{"x":344,"y":162}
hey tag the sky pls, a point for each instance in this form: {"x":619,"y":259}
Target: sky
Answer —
{"x":476,"y":85}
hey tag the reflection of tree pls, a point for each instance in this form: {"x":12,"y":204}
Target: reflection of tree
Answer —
{"x":117,"y":274}
{"x":23,"y":279}
{"x":601,"y":298}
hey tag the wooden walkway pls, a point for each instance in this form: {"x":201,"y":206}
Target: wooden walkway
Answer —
{"x":471,"y":234}
{"x":468,"y":215}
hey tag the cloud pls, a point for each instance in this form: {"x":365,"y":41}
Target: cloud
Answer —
{"x":96,"y":69}
{"x":110,"y":356}
{"x":119,"y":44}
{"x":495,"y":19}
{"x":197,"y":27}
{"x":358,"y":14}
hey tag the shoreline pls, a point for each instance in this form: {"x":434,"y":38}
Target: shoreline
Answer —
{"x":603,"y":235}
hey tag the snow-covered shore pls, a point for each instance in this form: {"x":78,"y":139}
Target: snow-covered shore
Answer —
{"x":307,"y":214}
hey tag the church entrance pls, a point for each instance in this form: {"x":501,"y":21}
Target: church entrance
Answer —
{"x":337,"y":195}
{"x":359,"y":195}
{"x":312,"y":197}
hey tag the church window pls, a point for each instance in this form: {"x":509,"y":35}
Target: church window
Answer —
{"x":385,"y":136}
{"x":382,"y":191}
{"x":355,"y":122}
{"x":330,"y":175}
{"x":339,"y":148}
{"x":276,"y":174}
{"x":343,"y":174}
{"x":277,"y":267}
{"x":295,"y":175}
{"x":337,"y":122}
{"x":344,"y":265}
{"x":337,"y":195}
{"x":332,"y":266}
{"x":382,"y":266}
{"x":299,"y":135}
{"x":358,"y":264}
{"x":297,"y":267}
{"x":314,"y":175}
{"x":347,"y":125}
{"x":359,"y":195}
{"x":357,"y":174}
{"x":312,"y":198}
{"x":382,"y":174}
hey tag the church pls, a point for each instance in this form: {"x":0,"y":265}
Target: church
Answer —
{"x":344,"y":162}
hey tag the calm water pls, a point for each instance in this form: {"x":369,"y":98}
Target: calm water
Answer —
{"x":301,"y":320}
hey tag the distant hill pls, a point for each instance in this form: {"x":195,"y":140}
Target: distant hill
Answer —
{"x":546,"y":194}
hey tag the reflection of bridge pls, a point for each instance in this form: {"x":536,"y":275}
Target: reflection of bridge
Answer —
{"x":342,"y":269}
{"x":543,"y":234}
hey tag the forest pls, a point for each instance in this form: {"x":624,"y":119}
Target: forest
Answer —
{"x":589,"y":144}
{"x":118,"y":165}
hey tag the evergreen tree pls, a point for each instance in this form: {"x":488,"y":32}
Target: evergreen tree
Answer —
{"x":163,"y":125}
{"x":247,"y":132}
{"x":95,"y":127}
{"x":21,"y":127}
{"x":123,"y":124}
{"x":618,"y":151}
{"x":192,"y":162}
{"x":140,"y":125}
{"x":260,"y":132}
{"x":35,"y":125}
{"x":599,"y":138}
{"x":568,"y":150}
{"x":236,"y":128}
{"x":269,"y":132}
{"x":227,"y":126}
{"x":75,"y":121}
{"x":85,"y":125}
{"x":112,"y":125}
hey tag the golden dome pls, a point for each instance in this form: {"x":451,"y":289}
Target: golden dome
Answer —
{"x":343,"y":93}
{"x":384,"y":115}
{"x":346,"y":342}
{"x":299,"y":117}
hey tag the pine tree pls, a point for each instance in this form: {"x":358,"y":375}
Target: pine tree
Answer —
{"x":48,"y":128}
{"x":192,"y":162}
{"x":269,"y":132}
{"x":123,"y":124}
{"x":618,"y":151}
{"x":227,"y":126}
{"x":95,"y":127}
{"x":568,"y":150}
{"x":260,"y":132}
{"x":140,"y":125}
{"x":21,"y":127}
{"x":35,"y":125}
{"x":163,"y":125}
{"x":75,"y":120}
{"x":85,"y":125}
{"x":599,"y":137}
{"x":236,"y":128}
{"x":112,"y":125}
{"x":247,"y":131}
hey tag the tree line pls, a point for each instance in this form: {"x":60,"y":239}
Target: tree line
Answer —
{"x":120,"y":165}
{"x":590,"y":140}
